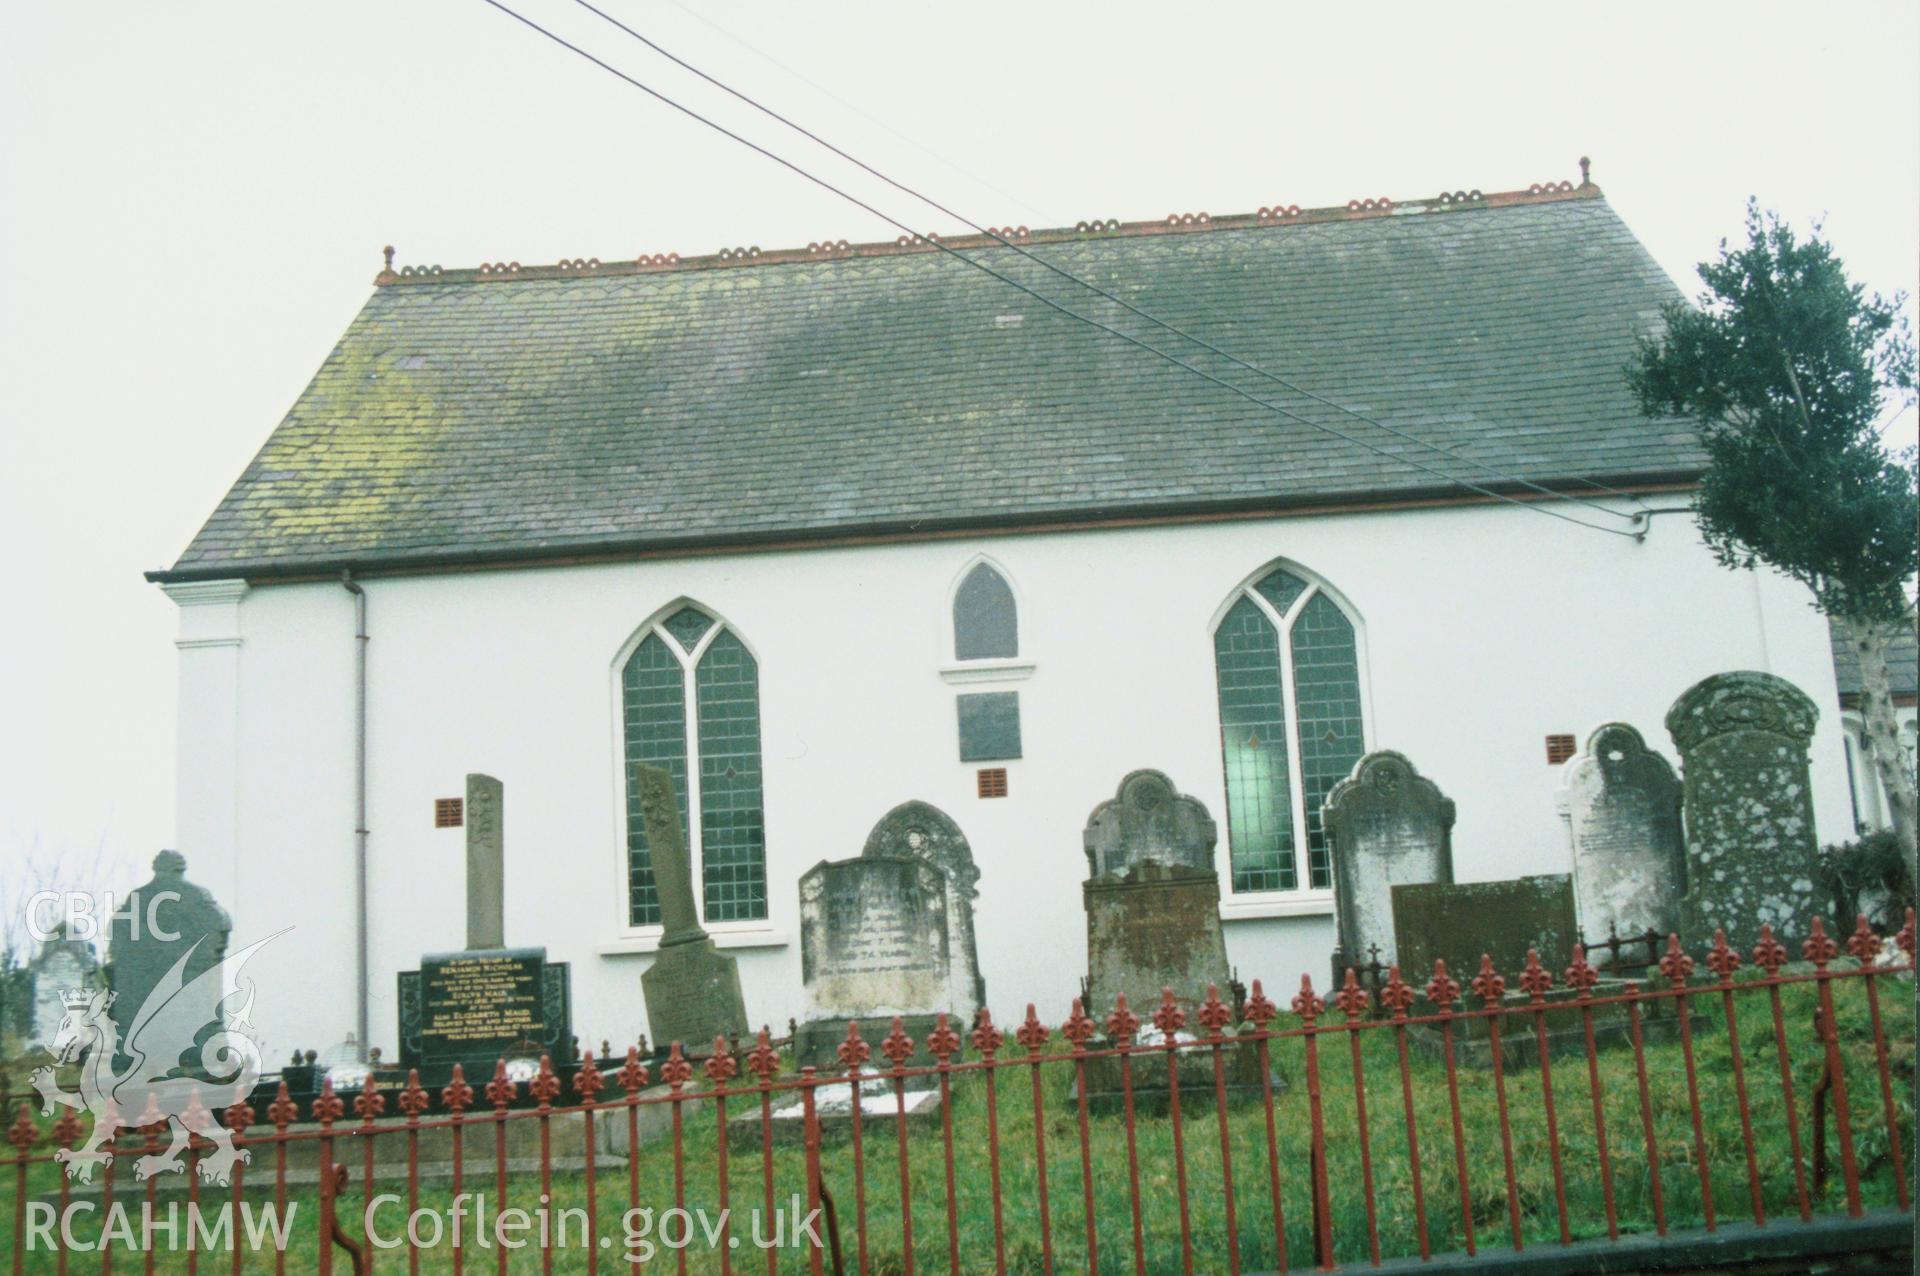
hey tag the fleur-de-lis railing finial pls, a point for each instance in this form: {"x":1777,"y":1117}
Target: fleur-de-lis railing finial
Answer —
{"x":1769,"y":954}
{"x":1398,"y":994}
{"x":589,"y":1081}
{"x":283,"y":1111}
{"x":23,"y":1132}
{"x":1489,"y":985}
{"x":676,"y":1071}
{"x":1442,"y":990}
{"x":1535,"y":979}
{"x":1122,"y":1024}
{"x":632,"y":1077}
{"x":457,"y":1097}
{"x":545,"y":1086}
{"x":1676,"y":965}
{"x":985,"y":1037}
{"x":414,"y":1099}
{"x":1863,"y":943}
{"x":943,"y":1042}
{"x":1032,"y":1034}
{"x":327,"y":1106}
{"x":1820,"y":948}
{"x":1580,"y":974}
{"x":853,"y":1052}
{"x":721,"y":1066}
{"x":1214,"y":1015}
{"x":502,"y":1089}
{"x":763,"y":1061}
{"x":1352,"y":1000}
{"x":1306,"y":1003}
{"x":1259,"y":1010}
{"x":898,"y":1046}
{"x":1721,"y":959}
{"x":1167,"y":1016}
{"x":1078,"y":1028}
{"x":369,"y":1103}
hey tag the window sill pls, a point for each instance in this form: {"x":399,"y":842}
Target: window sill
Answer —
{"x":1004,"y":670}
{"x":635,"y":945}
{"x":1292,"y":904}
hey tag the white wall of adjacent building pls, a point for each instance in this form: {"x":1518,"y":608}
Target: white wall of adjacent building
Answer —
{"x":1483,"y":630}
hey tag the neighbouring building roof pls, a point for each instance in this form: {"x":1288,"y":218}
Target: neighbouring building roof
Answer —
{"x":511,"y":413}
{"x":1903,"y":666}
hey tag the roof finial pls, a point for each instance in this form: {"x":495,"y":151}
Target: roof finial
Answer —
{"x":1585,"y":164}
{"x":388,"y":250}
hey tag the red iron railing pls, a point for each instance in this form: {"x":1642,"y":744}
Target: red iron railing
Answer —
{"x":1227,"y":1189}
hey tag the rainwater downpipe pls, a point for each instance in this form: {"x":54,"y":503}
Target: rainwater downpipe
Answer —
{"x":360,"y":985}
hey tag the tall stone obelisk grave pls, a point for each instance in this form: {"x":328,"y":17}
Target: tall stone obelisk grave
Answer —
{"x":692,"y":988}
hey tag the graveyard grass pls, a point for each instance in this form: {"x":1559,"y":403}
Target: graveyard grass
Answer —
{"x":1393,"y":1194}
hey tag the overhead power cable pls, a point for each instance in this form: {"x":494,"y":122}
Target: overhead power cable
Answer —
{"x":1044,"y":300}
{"x":1095,"y":288}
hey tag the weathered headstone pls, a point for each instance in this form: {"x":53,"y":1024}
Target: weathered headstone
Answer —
{"x":1621,"y":801}
{"x":1387,"y":826}
{"x":874,"y":944}
{"x":63,"y":964}
{"x":924,"y":831}
{"x":692,"y":989}
{"x":486,"y":863}
{"x":1458,"y":922}
{"x":160,"y":923}
{"x":1153,"y":923}
{"x":1751,"y":849}
{"x":1153,"y":897}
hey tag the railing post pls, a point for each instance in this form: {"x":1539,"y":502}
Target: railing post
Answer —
{"x":1307,"y":1005}
{"x":810,"y":1134}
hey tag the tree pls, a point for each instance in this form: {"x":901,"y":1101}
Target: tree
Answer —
{"x":1787,"y":368}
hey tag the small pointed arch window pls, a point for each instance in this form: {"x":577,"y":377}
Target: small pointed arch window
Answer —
{"x":1287,"y":661}
{"x":986,"y":621}
{"x":690,"y":704}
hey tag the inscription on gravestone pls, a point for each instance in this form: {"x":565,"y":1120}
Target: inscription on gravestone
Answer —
{"x":1751,"y":850}
{"x":481,"y":1002}
{"x":1621,"y":802}
{"x":1387,"y":826}
{"x":920,"y":830}
{"x":486,"y":856}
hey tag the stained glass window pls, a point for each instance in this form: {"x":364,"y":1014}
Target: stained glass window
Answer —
{"x":985,"y":622}
{"x":1290,"y":728}
{"x":715,"y":767}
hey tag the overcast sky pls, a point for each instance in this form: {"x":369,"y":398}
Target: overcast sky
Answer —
{"x":193,"y":198}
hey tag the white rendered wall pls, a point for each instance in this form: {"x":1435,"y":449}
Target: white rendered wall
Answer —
{"x":1484,"y":629}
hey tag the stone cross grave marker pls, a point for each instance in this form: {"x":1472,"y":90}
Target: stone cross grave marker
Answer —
{"x":1387,"y":826}
{"x":1621,"y":801}
{"x":692,"y":989}
{"x":1751,"y":849}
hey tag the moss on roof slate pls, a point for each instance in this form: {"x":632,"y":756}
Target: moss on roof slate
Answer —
{"x":496,"y":420}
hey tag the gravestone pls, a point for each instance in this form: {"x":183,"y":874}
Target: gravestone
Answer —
{"x":692,"y":989}
{"x":167,"y":919}
{"x":924,"y":831}
{"x":1153,"y":897}
{"x":63,"y":964}
{"x":1748,"y":803}
{"x":1621,"y":801}
{"x":1457,"y":922}
{"x":1387,"y":826}
{"x":875,"y":944}
{"x":486,"y":863}
{"x":485,"y":1002}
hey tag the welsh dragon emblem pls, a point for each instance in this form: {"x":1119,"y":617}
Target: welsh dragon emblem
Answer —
{"x":155,"y":1089}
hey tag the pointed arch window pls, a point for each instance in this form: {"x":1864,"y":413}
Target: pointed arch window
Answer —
{"x":986,"y":622}
{"x":690,"y":704}
{"x":1287,"y":665}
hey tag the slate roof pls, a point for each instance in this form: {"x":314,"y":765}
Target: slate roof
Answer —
{"x":508,"y":414}
{"x":1903,"y":665}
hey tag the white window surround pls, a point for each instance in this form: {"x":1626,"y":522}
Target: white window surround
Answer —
{"x":628,"y":938}
{"x":1305,"y":900}
{"x":1014,"y":669}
